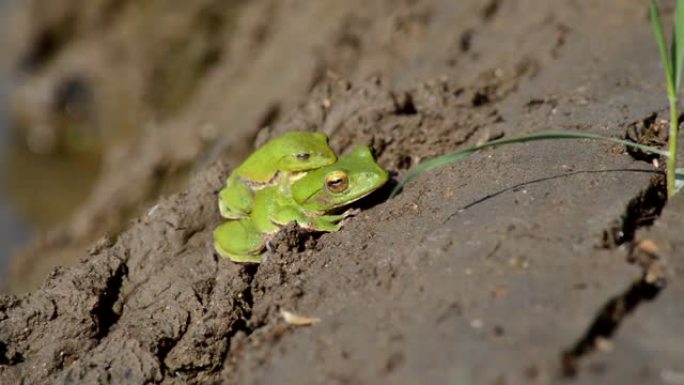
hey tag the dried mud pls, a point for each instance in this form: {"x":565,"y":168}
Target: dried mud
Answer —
{"x":494,"y":270}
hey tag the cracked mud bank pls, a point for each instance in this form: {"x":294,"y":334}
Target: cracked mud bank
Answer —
{"x":494,"y":270}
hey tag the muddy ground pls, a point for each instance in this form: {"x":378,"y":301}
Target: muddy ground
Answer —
{"x":540,"y":263}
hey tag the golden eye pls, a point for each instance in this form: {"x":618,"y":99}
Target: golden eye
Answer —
{"x":337,"y":182}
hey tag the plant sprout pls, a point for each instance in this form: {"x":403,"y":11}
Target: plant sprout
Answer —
{"x":672,"y":64}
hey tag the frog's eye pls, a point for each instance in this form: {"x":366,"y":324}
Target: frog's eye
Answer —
{"x":303,"y":156}
{"x":336,"y":182}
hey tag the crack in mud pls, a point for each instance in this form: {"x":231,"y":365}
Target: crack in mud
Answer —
{"x":105,"y":314}
{"x":404,"y":104}
{"x":9,"y":356}
{"x":641,"y":211}
{"x":243,"y":323}
{"x":247,"y":295}
{"x":609,"y":319}
{"x":490,"y":10}
{"x":166,"y":344}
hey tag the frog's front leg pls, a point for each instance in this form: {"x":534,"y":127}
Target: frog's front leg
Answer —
{"x":239,"y":241}
{"x":328,"y":223}
{"x":333,"y":222}
{"x":287,"y":214}
{"x":236,"y":199}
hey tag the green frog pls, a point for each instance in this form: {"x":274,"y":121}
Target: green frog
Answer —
{"x":312,"y":201}
{"x":280,"y":158}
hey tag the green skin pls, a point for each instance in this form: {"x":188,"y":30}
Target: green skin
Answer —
{"x":307,"y":201}
{"x":282,"y":157}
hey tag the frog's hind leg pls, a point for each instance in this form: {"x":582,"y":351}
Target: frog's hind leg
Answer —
{"x":240,"y":241}
{"x":236,"y":199}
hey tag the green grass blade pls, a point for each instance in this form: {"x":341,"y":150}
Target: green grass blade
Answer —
{"x":678,"y":43}
{"x":673,"y":57}
{"x":546,"y":135}
{"x":662,"y":47}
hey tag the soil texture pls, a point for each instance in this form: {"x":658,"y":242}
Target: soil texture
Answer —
{"x":538,"y":263}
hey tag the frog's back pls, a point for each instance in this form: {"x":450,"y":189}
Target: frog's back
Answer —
{"x":308,"y":150}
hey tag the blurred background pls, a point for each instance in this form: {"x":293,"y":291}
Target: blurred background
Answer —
{"x":14,"y":227}
{"x":104,"y":106}
{"x":50,"y":155}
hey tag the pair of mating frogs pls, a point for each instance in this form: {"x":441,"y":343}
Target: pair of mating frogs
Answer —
{"x":293,"y":178}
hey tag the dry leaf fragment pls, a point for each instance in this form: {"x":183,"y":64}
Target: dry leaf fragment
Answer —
{"x":296,"y":319}
{"x":648,"y":246}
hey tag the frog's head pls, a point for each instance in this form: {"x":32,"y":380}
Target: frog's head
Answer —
{"x":304,"y":151}
{"x":352,"y":177}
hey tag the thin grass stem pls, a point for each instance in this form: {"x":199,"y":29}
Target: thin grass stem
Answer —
{"x":672,"y":147}
{"x":546,"y":135}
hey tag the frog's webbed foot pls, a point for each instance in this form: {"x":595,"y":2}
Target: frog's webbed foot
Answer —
{"x":329,"y":223}
{"x":333,"y":223}
{"x":235,"y":200}
{"x":228,"y":213}
{"x":351,"y":212}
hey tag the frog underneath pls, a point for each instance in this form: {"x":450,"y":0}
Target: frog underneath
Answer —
{"x":282,"y":157}
{"x":311,"y":201}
